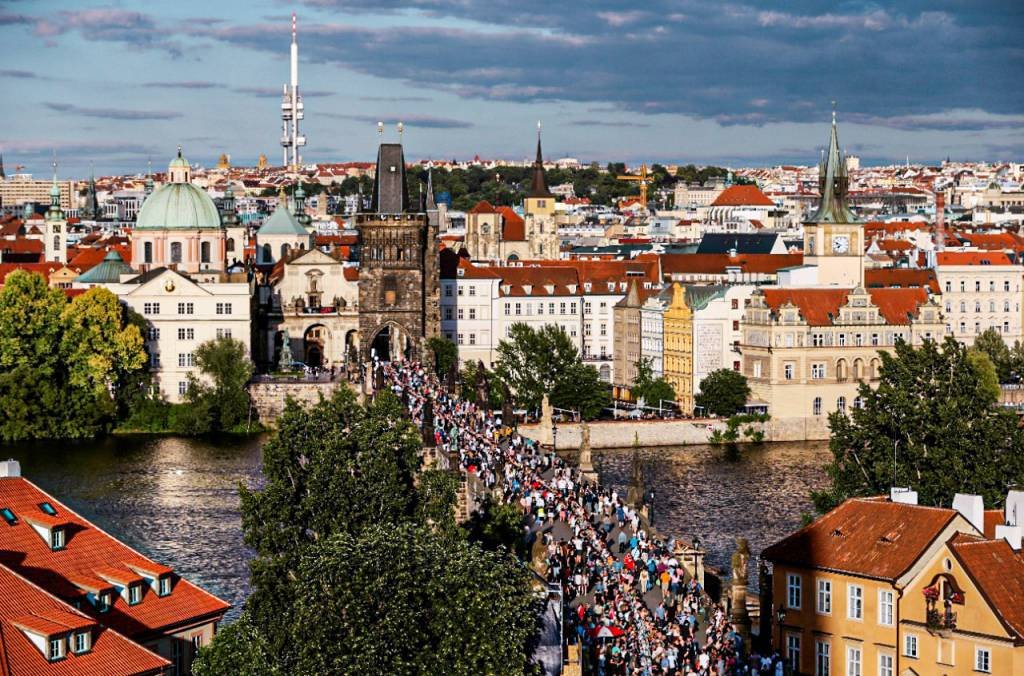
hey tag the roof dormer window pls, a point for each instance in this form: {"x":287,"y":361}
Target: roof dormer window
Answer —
{"x":47,"y":508}
{"x":134,"y":594}
{"x":56,"y":649}
{"x":103,"y":602}
{"x":8,"y":516}
{"x":81,"y":642}
{"x":164,"y":586}
{"x":56,"y":539}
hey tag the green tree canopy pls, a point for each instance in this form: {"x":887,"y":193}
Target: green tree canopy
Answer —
{"x":936,"y":412}
{"x":652,"y":390}
{"x":532,"y":361}
{"x":723,"y":392}
{"x":225,"y":363}
{"x":445,"y":354}
{"x":580,"y":388}
{"x":991,"y":343}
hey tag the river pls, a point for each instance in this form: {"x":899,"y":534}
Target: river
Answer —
{"x":176,"y":500}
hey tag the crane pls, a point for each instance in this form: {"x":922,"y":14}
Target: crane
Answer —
{"x":643,"y":178}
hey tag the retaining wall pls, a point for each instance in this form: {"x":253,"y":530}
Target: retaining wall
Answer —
{"x":268,"y":397}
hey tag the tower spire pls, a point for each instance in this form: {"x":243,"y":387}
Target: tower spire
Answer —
{"x":3,"y":176}
{"x":539,"y":184}
{"x":833,"y":182}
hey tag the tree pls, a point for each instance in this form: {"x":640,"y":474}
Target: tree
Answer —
{"x":225,"y":362}
{"x":532,"y":361}
{"x":580,"y":388}
{"x":723,"y":392}
{"x":935,"y":413}
{"x":991,"y":343}
{"x":445,"y":354}
{"x":652,"y":390}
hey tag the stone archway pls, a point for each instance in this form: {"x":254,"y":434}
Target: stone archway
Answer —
{"x":314,"y":345}
{"x":391,"y":343}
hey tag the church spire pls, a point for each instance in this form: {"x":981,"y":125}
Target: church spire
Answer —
{"x":539,"y":184}
{"x":431,"y":200}
{"x":833,"y":183}
{"x":3,"y":176}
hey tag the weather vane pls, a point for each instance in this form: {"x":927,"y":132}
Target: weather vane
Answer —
{"x":401,"y":130}
{"x":380,"y":129}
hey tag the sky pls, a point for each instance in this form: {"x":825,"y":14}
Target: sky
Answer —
{"x":113,"y":84}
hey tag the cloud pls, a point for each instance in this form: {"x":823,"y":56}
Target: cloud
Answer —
{"x":184,"y":84}
{"x":276,"y":91}
{"x":424,"y":121}
{"x":102,"y":24}
{"x":396,"y":99}
{"x":609,"y":123}
{"x":21,"y":74}
{"x":113,"y":113}
{"x":951,"y":120}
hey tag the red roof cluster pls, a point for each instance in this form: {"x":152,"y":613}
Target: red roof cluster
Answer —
{"x":742,"y":196}
{"x":820,"y":307}
{"x":718,"y":264}
{"x":972,"y":258}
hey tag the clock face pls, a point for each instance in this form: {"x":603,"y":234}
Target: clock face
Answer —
{"x":840,"y":244}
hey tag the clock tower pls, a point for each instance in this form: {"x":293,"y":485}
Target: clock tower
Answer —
{"x":833,"y":236}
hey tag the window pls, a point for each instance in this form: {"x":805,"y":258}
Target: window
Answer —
{"x":460,"y":339}
{"x":175,"y":252}
{"x":472,"y":339}
{"x":460,"y":313}
{"x":186,"y":359}
{"x":787,"y":371}
{"x":153,"y":333}
{"x":735,"y":324}
{"x":604,"y":329}
{"x":561,"y":308}
{"x":8,"y":516}
{"x":461,"y":289}
{"x":757,"y":369}
{"x":151,"y":308}
{"x":56,"y":539}
{"x":793,"y":591}
{"x":1006,"y":285}
{"x":992,"y":285}
{"x":982,"y":660}
{"x":448,"y":290}
{"x":223,"y":333}
{"x":134,"y":594}
{"x":842,"y":340}
{"x":204,"y":252}
{"x":519,"y":308}
{"x":885,"y":665}
{"x":56,"y":649}
{"x":147,"y":252}
{"x":885,"y":604}
{"x":164,"y":586}
{"x":853,"y":661}
{"x":817,"y":371}
{"x":735,"y":303}
{"x":222,"y":308}
{"x":822,"y":659}
{"x":963,"y":286}
{"x":816,"y":406}
{"x":793,"y":651}
{"x":103,"y":602}
{"x":508,"y":309}
{"x":977,"y":285}
{"x":186,"y":308}
{"x":448,"y":313}
{"x":81,"y":641}
{"x":824,"y":597}
{"x":949,"y":286}
{"x":182,"y":386}
{"x":910,"y":645}
{"x":47,"y":508}
{"x":841,"y":404}
{"x":472,"y":291}
{"x":855,"y":602}
{"x":197,"y":643}
{"x":472,"y":313}
{"x":186,"y":334}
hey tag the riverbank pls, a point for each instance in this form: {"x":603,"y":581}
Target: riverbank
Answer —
{"x":657,"y":433}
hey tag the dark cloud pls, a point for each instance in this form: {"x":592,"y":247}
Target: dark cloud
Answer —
{"x":424,"y":121}
{"x":276,"y":91}
{"x":102,"y":24}
{"x":20,"y":74}
{"x":184,"y":84}
{"x":951,"y":121}
{"x":609,"y":123}
{"x":735,"y":63}
{"x":396,"y":99}
{"x":113,"y":113}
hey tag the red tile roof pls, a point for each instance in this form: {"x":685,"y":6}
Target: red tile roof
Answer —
{"x":870,"y":537}
{"x":992,"y":240}
{"x":902,"y":278}
{"x":998,"y":572}
{"x":897,"y":305}
{"x":44,"y":269}
{"x":741,"y":196}
{"x":91,"y":553}
{"x":482,"y":207}
{"x":819,"y":307}
{"x":86,"y":258}
{"x":513,"y":228}
{"x":716,"y":264}
{"x":23,"y":604}
{"x":972,"y":258}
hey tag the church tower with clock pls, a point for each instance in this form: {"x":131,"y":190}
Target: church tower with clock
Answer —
{"x":833,"y":236}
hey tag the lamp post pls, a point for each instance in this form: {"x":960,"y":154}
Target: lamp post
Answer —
{"x":780,"y":616}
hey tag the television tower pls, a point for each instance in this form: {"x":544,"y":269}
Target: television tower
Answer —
{"x":291,"y":111}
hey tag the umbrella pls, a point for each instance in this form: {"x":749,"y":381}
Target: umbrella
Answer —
{"x":605,"y":631}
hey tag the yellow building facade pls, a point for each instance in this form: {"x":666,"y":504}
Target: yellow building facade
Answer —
{"x":677,"y":347}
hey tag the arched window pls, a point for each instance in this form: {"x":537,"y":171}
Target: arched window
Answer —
{"x":204,"y":252}
{"x":56,"y":243}
{"x":268,"y":255}
{"x":147,"y":252}
{"x":841,"y":404}
{"x":229,"y":245}
{"x":858,"y":369}
{"x":284,"y":250}
{"x":816,"y":407}
{"x":605,"y":373}
{"x":842,"y":370}
{"x":175,"y":252}
{"x":858,"y":402}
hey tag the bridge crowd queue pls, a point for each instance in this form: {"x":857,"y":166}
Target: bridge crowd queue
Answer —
{"x":608,"y":567}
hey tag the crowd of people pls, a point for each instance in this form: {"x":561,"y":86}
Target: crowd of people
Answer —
{"x":629,"y":603}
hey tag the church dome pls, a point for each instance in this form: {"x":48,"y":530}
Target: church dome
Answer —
{"x":178,"y":205}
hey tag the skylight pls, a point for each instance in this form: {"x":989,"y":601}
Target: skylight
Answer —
{"x":8,"y":516}
{"x":48,"y":508}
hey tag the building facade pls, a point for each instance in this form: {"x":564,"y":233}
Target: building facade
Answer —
{"x":678,"y":347}
{"x":980,"y":290}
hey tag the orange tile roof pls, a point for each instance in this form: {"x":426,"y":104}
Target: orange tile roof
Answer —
{"x":44,"y":269}
{"x":992,"y":240}
{"x":869,"y":537}
{"x":894,"y":245}
{"x":998,"y":572}
{"x":741,"y":196}
{"x":25,"y":604}
{"x":716,"y":264}
{"x":513,"y":227}
{"x":972,"y":258}
{"x":902,"y":278}
{"x":89,"y":257}
{"x":993,"y":518}
{"x":482,"y":207}
{"x":817,"y":306}
{"x":897,"y":305}
{"x":91,"y":553}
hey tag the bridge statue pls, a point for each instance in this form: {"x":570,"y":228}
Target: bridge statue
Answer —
{"x":285,"y":362}
{"x":740,"y":616}
{"x":586,"y":458}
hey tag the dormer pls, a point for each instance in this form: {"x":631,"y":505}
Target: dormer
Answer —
{"x":573,"y":288}
{"x":128,"y":584}
{"x":550,"y":288}
{"x":528,"y":289}
{"x":611,"y":286}
{"x":52,"y":528}
{"x":56,"y":633}
{"x":100,"y":593}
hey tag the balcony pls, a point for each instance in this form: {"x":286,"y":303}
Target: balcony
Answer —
{"x":940,"y":622}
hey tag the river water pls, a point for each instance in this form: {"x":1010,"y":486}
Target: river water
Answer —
{"x":176,"y":500}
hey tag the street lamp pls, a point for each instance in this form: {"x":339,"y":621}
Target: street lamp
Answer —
{"x":780,"y":616}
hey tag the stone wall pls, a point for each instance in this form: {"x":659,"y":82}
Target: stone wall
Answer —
{"x":268,"y":398}
{"x":622,"y":433}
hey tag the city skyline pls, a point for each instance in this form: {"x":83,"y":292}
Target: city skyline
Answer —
{"x":674,"y":82}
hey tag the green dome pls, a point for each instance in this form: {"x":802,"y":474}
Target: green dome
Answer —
{"x":178,"y":206}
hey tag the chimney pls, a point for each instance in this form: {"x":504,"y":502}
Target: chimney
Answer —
{"x":973,"y":509}
{"x":903,"y":495}
{"x":1012,"y":535}
{"x":1014,"y":510}
{"x":940,"y":220}
{"x":10,"y":468}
